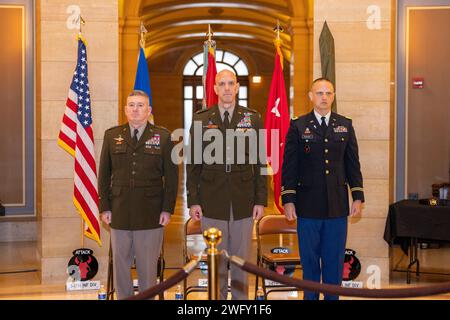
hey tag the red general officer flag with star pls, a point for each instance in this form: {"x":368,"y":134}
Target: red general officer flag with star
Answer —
{"x":277,"y":124}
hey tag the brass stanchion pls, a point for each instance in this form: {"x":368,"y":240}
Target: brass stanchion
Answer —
{"x":213,"y":237}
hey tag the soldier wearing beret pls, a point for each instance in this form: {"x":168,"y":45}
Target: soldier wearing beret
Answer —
{"x":227,"y":194}
{"x":137,"y":192}
{"x":321,"y":163}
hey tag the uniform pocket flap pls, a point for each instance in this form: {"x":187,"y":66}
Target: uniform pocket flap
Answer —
{"x":152,"y":151}
{"x":340,"y":137}
{"x":118,"y":149}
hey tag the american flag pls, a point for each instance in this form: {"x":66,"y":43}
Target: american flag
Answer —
{"x":77,"y":138}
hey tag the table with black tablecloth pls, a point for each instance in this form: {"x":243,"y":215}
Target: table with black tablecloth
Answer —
{"x":408,"y":222}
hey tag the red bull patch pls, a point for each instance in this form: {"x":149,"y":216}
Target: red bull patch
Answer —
{"x":83,"y":266}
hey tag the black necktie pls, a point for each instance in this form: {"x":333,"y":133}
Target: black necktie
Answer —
{"x":323,"y":125}
{"x":226,"y":121}
{"x":135,"y":138}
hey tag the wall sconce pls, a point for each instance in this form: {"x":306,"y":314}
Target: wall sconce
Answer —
{"x":256,"y":79}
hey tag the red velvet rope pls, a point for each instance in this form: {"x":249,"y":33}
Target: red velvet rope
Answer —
{"x":338,"y":290}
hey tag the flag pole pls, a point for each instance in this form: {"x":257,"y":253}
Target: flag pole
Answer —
{"x":80,"y":33}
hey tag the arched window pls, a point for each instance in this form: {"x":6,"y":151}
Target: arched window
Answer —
{"x":193,"y":86}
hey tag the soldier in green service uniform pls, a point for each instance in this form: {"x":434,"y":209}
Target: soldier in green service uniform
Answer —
{"x":226,"y":193}
{"x":137,"y":193}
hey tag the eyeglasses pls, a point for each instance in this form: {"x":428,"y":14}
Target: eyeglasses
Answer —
{"x":321,"y":93}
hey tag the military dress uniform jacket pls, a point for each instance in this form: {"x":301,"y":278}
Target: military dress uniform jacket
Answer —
{"x":137,"y":183}
{"x":318,"y":169}
{"x":217,"y":185}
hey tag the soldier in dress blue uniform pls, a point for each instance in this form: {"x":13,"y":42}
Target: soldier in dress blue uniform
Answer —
{"x":320,"y":163}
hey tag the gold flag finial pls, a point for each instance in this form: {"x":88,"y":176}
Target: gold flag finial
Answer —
{"x":210,"y":34}
{"x":143,"y":32}
{"x":278,"y":29}
{"x":81,"y":23}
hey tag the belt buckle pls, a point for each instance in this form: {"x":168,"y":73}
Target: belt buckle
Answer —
{"x":228,"y":168}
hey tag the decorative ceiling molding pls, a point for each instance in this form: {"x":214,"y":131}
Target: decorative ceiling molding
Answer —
{"x":178,"y":24}
{"x":164,"y":7}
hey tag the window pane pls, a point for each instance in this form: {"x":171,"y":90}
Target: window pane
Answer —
{"x":219,"y":55}
{"x":199,"y":92}
{"x":190,"y":68}
{"x":242,"y":92}
{"x":188,"y":110}
{"x":241,"y":68}
{"x":222,"y":66}
{"x":199,"y":71}
{"x":243,"y":103}
{"x":188,"y":92}
{"x":230,"y":58}
{"x":198,"y":59}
